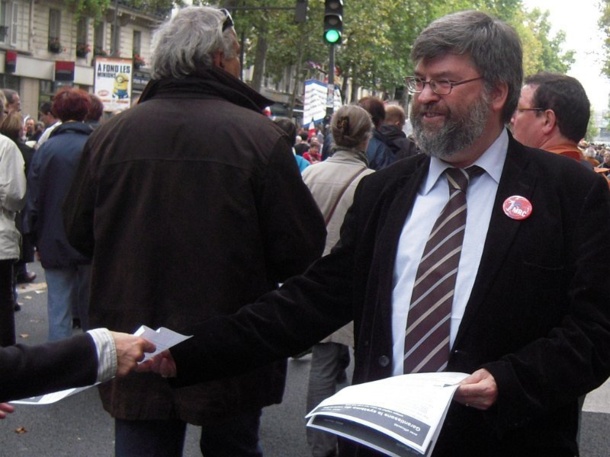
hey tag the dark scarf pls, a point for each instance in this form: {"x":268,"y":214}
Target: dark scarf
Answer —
{"x":208,"y":83}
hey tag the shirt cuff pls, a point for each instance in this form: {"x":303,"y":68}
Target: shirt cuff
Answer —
{"x":106,"y":353}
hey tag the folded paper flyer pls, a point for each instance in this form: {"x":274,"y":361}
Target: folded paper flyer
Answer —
{"x":400,"y":416}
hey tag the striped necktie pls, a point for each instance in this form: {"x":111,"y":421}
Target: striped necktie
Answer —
{"x":427,"y":336}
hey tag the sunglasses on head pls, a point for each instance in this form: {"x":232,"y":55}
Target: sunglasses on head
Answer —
{"x":228,"y":21}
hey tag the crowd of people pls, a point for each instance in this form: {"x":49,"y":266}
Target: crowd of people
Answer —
{"x":46,"y":163}
{"x":476,"y":244}
{"x":389,"y":141}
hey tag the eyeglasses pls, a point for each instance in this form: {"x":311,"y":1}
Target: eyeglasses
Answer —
{"x":530,"y":109}
{"x":416,"y":85}
{"x":228,"y":22}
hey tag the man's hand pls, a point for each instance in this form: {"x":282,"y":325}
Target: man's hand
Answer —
{"x":479,"y":390}
{"x":5,"y":409}
{"x":130,"y":350}
{"x":163,"y":364}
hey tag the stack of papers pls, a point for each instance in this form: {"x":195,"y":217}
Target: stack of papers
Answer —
{"x":400,"y":416}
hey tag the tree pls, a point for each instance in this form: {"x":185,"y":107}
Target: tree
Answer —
{"x":604,"y":25}
{"x":541,"y":51}
{"x":592,"y":130}
{"x":377,"y":37}
{"x":96,"y":8}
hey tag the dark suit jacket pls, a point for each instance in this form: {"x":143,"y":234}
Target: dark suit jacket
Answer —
{"x":538,"y":317}
{"x":34,"y":370}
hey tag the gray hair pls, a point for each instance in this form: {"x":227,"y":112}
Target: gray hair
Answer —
{"x":10,"y":95}
{"x":351,"y":125}
{"x":493,"y":46}
{"x":186,"y":42}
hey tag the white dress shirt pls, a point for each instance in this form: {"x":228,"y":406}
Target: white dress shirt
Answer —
{"x":106,"y":353}
{"x":432,"y":196}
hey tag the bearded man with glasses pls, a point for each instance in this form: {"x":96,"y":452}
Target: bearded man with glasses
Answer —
{"x":480,"y":256}
{"x":190,"y":205}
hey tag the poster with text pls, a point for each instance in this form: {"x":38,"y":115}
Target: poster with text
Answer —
{"x":316,"y":100}
{"x":113,"y":78}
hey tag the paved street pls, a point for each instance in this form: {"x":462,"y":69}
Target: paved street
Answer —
{"x":79,"y":427}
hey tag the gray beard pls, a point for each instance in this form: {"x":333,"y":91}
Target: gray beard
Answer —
{"x":456,"y":135}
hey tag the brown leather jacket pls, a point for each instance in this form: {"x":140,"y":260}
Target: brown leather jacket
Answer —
{"x":191,"y":205}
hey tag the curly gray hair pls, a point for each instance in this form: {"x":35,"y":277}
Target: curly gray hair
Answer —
{"x":187,"y":42}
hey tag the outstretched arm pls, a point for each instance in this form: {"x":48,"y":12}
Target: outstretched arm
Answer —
{"x":82,"y":360}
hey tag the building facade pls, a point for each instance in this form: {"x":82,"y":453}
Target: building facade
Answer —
{"x":44,"y":45}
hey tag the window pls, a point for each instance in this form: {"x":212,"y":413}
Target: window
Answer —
{"x":9,"y":81}
{"x":46,"y":91}
{"x":116,"y":40}
{"x":98,"y":40}
{"x":137,"y":42}
{"x":4,"y":28}
{"x":9,"y":17}
{"x":82,"y":38}
{"x":54,"y":25}
{"x":81,"y":30}
{"x":14,"y":23}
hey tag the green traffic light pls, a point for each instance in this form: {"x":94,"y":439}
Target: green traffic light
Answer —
{"x":332,"y":36}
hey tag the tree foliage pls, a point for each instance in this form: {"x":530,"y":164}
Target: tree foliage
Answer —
{"x":92,"y":8}
{"x":542,"y":52}
{"x":377,"y":36}
{"x":592,"y":129}
{"x":96,"y":8}
{"x":604,"y":25}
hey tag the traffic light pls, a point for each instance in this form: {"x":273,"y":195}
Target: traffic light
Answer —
{"x":333,"y":21}
{"x":300,"y":12}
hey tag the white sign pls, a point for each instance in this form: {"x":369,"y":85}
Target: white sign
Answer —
{"x":113,"y":82}
{"x":315,"y":100}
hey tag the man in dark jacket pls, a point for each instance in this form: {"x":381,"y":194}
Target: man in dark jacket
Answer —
{"x":528,"y":311}
{"x":378,"y":152}
{"x":392,"y":128}
{"x":191,"y":205}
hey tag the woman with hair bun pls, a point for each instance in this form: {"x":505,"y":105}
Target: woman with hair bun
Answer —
{"x":332,"y":184}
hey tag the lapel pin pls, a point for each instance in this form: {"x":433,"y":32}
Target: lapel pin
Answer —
{"x":517,"y":207}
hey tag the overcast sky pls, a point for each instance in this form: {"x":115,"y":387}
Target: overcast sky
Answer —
{"x":579,"y":21}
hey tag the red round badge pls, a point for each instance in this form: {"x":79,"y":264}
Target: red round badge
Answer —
{"x":517,"y":207}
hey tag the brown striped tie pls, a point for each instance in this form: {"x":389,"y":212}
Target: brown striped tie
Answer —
{"x":427,"y":337}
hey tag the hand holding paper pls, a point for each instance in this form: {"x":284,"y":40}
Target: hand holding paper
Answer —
{"x":160,"y":361}
{"x":162,"y":364}
{"x":130,"y":351}
{"x":398,"y":416}
{"x":163,"y":338}
{"x":479,"y":390}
